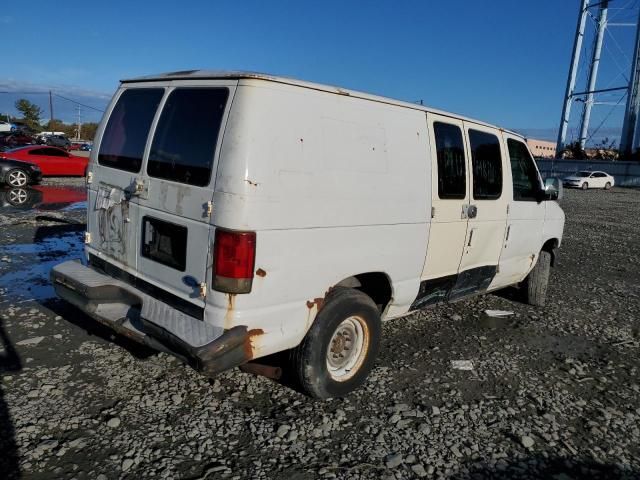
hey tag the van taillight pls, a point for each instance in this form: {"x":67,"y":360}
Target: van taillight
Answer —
{"x":234,"y":255}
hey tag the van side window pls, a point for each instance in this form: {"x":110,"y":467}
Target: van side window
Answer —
{"x":187,"y":134}
{"x":487,"y":165}
{"x":526,"y":182}
{"x":452,"y":182}
{"x":125,"y":135}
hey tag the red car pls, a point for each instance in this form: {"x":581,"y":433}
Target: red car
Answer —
{"x":53,"y":161}
{"x":15,"y":139}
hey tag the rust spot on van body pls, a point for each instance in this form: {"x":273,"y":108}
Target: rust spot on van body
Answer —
{"x":231,"y":305}
{"x":261,"y":273}
{"x":316,"y":302}
{"x":250,"y":344}
{"x":253,"y":184}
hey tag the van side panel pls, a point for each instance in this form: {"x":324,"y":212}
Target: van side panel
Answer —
{"x":334,"y":186}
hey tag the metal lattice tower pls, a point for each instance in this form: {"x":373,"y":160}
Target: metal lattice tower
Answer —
{"x":630,"y":138}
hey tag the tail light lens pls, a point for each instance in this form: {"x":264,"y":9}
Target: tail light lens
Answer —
{"x":234,"y":255}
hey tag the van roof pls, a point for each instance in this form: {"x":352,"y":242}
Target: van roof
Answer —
{"x":239,"y":74}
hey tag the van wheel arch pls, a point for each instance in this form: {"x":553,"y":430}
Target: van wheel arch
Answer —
{"x":377,"y":285}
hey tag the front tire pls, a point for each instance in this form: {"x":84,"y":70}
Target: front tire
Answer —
{"x":585,"y":186}
{"x":339,"y":350}
{"x":17,"y":177}
{"x":534,"y":287}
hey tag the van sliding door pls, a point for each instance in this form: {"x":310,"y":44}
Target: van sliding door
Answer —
{"x":488,"y":209}
{"x":450,"y":199}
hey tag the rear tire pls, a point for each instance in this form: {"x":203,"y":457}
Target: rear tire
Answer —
{"x":339,"y":350}
{"x":534,"y":287}
{"x":17,"y":178}
{"x":585,"y":186}
{"x":607,"y":186}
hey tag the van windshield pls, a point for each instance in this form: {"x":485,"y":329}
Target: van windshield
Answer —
{"x":187,"y":134}
{"x":125,"y":135}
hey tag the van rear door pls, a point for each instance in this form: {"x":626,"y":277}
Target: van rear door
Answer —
{"x":116,"y":166}
{"x":154,"y":185}
{"x":177,"y":185}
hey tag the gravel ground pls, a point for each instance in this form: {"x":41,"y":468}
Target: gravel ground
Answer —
{"x":554,"y":392}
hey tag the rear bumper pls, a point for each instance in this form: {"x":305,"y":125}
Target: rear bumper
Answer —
{"x":146,"y":320}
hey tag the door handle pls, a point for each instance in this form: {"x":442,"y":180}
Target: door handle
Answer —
{"x":472,"y":211}
{"x":138,"y":188}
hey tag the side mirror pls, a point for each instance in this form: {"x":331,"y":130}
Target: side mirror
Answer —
{"x":553,"y":189}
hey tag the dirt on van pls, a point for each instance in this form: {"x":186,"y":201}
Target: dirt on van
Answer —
{"x":459,"y":391}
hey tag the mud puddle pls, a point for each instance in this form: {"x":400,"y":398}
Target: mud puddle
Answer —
{"x":42,"y":197}
{"x":25,"y":267}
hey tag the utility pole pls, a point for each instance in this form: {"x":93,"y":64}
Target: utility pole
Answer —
{"x":629,"y":140}
{"x":79,"y":125}
{"x":593,"y":72}
{"x":50,"y":111}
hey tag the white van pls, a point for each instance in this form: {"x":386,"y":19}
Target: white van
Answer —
{"x":235,"y":215}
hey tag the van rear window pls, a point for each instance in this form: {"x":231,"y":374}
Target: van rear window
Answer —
{"x":187,"y":134}
{"x":125,"y":135}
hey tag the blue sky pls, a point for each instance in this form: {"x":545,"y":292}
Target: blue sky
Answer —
{"x":502,"y":61}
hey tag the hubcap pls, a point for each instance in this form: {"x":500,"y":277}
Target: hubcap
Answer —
{"x":17,"y":179}
{"x":17,"y":196}
{"x":347,"y":348}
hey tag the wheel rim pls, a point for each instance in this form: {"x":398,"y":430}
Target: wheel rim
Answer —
{"x":585,"y":186}
{"x":607,"y":186}
{"x":347,"y":348}
{"x":17,"y":178}
{"x":17,"y":196}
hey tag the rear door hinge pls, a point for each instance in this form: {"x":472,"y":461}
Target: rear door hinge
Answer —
{"x":203,"y":289}
{"x":209,"y":207}
{"x":87,"y":237}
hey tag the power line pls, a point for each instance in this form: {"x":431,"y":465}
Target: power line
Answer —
{"x":57,"y":95}
{"x":78,"y":103}
{"x":26,"y":93}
